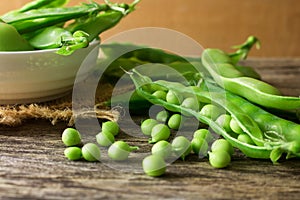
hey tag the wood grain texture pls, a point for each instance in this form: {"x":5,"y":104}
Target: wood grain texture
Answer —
{"x":32,"y":164}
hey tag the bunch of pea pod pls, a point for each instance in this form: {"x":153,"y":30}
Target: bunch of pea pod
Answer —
{"x":49,"y":24}
{"x":241,"y":102}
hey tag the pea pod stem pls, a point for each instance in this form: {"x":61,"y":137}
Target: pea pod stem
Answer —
{"x":244,"y":49}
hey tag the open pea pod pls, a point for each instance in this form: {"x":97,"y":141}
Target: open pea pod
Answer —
{"x":279,"y":132}
{"x":224,"y":73}
{"x":143,"y":85}
{"x":221,"y":100}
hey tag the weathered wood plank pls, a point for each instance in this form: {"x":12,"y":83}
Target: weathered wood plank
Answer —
{"x":32,"y":165}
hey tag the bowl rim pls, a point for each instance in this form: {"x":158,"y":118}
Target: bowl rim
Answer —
{"x":94,"y":42}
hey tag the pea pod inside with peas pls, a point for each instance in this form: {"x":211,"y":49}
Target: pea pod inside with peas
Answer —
{"x":264,"y":143}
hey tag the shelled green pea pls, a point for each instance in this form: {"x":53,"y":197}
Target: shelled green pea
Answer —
{"x":204,"y":134}
{"x":120,"y":150}
{"x":105,"y":138}
{"x":111,"y":126}
{"x":224,"y":121}
{"x":174,"y":121}
{"x":154,"y":165}
{"x":91,"y":152}
{"x":71,"y":137}
{"x":191,"y":103}
{"x":147,"y":126}
{"x":73,"y":153}
{"x":245,"y":138}
{"x":160,"y":94}
{"x":222,"y":144}
{"x":211,"y":111}
{"x":162,"y":148}
{"x":181,"y":146}
{"x":199,"y":146}
{"x":174,"y":97}
{"x":159,"y":132}
{"x":235,"y":127}
{"x":162,"y":116}
{"x":219,"y":159}
{"x":220,"y":154}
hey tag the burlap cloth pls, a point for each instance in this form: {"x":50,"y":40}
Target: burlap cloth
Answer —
{"x":59,"y":110}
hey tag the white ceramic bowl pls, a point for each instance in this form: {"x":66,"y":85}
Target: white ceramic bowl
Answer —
{"x":42,"y":75}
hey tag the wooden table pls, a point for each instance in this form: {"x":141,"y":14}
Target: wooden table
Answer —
{"x":32,"y":164}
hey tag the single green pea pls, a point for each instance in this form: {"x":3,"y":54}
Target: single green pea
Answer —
{"x":111,"y":127}
{"x":219,"y":159}
{"x":203,"y":133}
{"x":181,"y":146}
{"x":223,"y":145}
{"x":154,"y":165}
{"x":120,"y":150}
{"x":211,"y":111}
{"x":153,"y":87}
{"x":148,"y":125}
{"x":159,"y":132}
{"x":105,"y":139}
{"x":91,"y":152}
{"x":71,"y":137}
{"x":162,"y":148}
{"x":191,"y":103}
{"x":73,"y":153}
{"x":162,"y":116}
{"x":245,"y":138}
{"x":199,"y":146}
{"x":174,"y":121}
{"x":174,"y":97}
{"x":224,"y":121}
{"x":235,"y":127}
{"x":160,"y":94}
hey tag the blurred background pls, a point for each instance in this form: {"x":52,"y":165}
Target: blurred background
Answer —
{"x":215,"y":23}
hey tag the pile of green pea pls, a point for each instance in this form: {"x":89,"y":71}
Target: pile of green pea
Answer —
{"x":159,"y":132}
{"x":117,"y":150}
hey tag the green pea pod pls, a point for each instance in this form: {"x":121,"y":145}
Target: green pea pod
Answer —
{"x":42,"y":4}
{"x":103,"y":21}
{"x":279,"y":133}
{"x":11,"y":40}
{"x":220,"y":98}
{"x":96,"y":25}
{"x":35,"y":19}
{"x":50,"y":38}
{"x":227,"y":76}
{"x":252,"y":151}
{"x":248,"y":71}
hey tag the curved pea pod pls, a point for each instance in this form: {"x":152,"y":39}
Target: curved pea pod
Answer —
{"x":220,"y":67}
{"x":252,"y":151}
